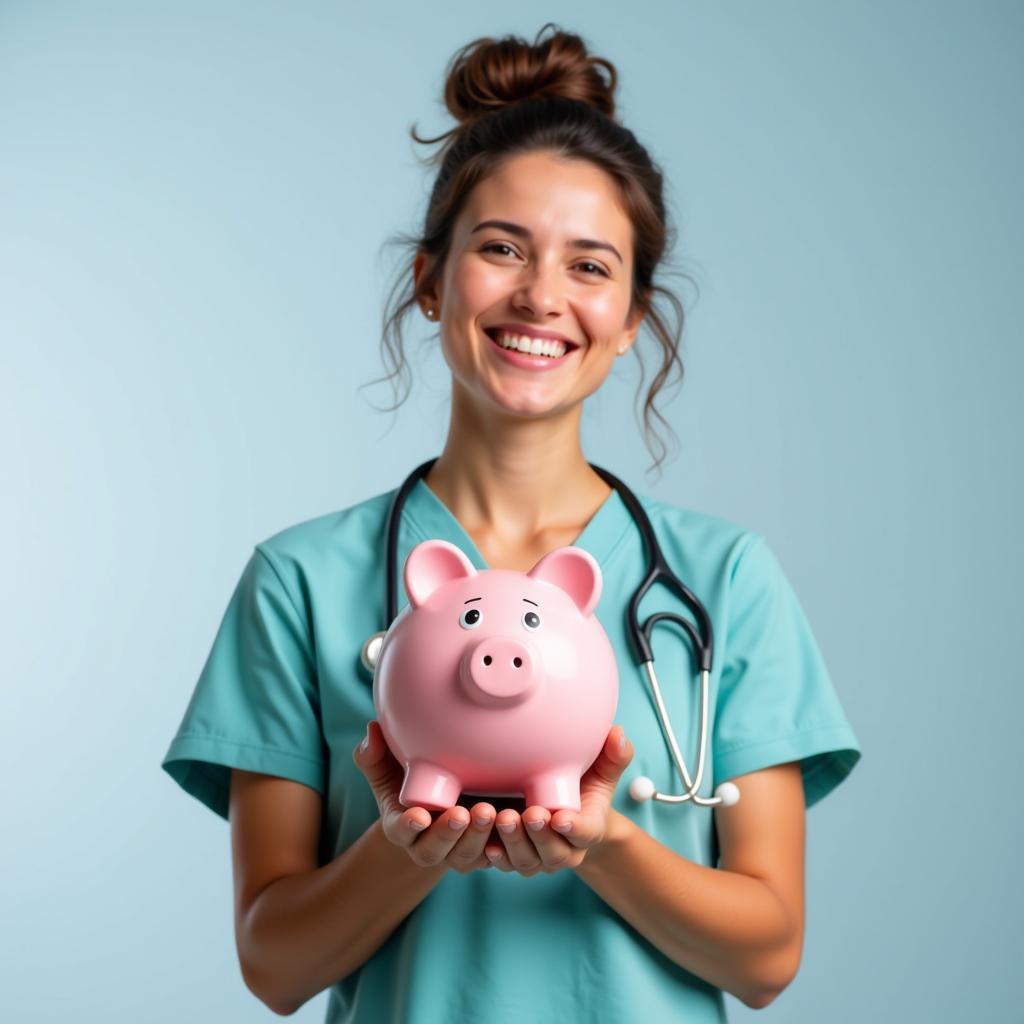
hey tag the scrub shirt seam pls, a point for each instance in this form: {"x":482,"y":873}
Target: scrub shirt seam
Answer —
{"x":618,"y":542}
{"x":266,"y":748}
{"x":826,"y":727}
{"x":302,"y":617}
{"x":753,"y":538}
{"x":413,"y":525}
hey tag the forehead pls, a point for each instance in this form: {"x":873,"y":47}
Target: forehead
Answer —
{"x":552,"y":196}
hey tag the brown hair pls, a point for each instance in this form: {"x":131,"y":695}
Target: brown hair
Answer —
{"x":511,"y":97}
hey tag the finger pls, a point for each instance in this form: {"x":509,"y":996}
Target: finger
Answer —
{"x":607,"y":769}
{"x":469,"y":847}
{"x":597,"y":787}
{"x":374,"y":759}
{"x":552,"y":849}
{"x":385,"y":775}
{"x":495,"y":853}
{"x":433,"y":847}
{"x":521,"y":853}
{"x":579,"y":831}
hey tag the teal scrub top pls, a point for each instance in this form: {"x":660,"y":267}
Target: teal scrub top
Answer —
{"x":283,"y":692}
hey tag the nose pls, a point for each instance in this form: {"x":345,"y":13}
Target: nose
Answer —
{"x":542,"y":292}
{"x":499,"y":669}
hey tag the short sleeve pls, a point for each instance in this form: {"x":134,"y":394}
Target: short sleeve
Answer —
{"x":776,"y":701}
{"x":256,"y":705}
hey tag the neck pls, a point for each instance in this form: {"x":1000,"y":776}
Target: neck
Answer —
{"x":515,"y":478}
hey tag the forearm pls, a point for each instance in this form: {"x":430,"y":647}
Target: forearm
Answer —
{"x":305,"y":932}
{"x":727,"y":928}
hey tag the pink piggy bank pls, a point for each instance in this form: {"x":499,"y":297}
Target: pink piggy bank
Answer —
{"x":497,"y":683}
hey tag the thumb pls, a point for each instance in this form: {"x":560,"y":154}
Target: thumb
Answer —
{"x":370,"y":756}
{"x":615,"y":755}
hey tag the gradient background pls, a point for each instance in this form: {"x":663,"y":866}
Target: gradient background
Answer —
{"x":193,"y":201}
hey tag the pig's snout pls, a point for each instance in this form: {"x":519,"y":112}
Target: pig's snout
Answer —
{"x":499,"y":668}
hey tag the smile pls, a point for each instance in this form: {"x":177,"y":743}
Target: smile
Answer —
{"x":529,"y":353}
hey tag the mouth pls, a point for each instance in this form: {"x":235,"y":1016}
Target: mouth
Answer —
{"x":532,"y":352}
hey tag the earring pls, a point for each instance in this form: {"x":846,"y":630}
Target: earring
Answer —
{"x":430,"y":313}
{"x":622,"y":350}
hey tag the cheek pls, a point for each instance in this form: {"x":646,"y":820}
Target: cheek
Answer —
{"x":606,"y":314}
{"x":477,"y":284}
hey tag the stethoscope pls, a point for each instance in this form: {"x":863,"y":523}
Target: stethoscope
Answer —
{"x":701,"y":643}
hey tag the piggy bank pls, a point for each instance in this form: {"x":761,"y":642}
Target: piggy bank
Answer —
{"x":496,"y":682}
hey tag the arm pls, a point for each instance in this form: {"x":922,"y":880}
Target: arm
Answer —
{"x":300,"y":927}
{"x":740,"y":926}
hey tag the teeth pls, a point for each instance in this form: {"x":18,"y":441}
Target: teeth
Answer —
{"x":531,"y":346}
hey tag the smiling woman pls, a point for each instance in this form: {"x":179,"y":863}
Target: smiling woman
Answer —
{"x":543,"y":234}
{"x":544,"y":186}
{"x":528,"y":262}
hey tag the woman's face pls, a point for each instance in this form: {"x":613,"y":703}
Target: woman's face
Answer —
{"x":560,"y":261}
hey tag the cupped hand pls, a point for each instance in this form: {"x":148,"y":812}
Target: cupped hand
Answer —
{"x":539,"y":841}
{"x":457,"y":836}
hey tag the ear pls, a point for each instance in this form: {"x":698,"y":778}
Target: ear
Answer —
{"x":633,"y":324}
{"x":575,"y":571}
{"x":421,"y":264}
{"x":431,"y":564}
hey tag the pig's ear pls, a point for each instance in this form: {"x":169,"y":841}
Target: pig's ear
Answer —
{"x":431,"y":564}
{"x":574,"y":570}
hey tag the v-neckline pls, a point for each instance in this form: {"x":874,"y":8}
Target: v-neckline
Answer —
{"x":431,"y":518}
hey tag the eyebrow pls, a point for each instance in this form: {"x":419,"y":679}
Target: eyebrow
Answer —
{"x":473,"y":599}
{"x":518,"y":229}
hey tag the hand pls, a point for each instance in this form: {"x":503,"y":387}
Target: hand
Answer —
{"x":430,"y":843}
{"x":546,"y":850}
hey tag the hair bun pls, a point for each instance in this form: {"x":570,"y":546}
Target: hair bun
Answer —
{"x":488,"y":74}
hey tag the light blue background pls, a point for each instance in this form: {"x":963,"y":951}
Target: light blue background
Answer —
{"x":193,"y":199}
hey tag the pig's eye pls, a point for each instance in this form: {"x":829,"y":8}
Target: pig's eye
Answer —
{"x":470,"y":618}
{"x":531,"y":620}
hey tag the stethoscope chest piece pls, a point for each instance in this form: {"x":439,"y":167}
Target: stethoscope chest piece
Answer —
{"x":370,"y":653}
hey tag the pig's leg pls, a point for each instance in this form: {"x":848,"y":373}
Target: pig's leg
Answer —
{"x":557,"y":789}
{"x":429,"y":785}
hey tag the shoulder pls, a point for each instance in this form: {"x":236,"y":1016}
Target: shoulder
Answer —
{"x":342,"y":528}
{"x":340,"y":545}
{"x":688,"y":536}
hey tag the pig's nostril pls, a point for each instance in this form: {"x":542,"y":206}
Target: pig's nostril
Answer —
{"x":487,"y":659}
{"x":517,"y":662}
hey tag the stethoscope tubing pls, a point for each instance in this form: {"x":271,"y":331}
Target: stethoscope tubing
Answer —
{"x":701,"y":635}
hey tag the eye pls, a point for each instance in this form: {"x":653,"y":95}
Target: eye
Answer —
{"x":531,"y":620}
{"x":471,"y":618}
{"x":491,"y":246}
{"x":600,"y":270}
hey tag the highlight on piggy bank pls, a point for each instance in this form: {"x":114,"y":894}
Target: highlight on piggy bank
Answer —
{"x":496,"y":682}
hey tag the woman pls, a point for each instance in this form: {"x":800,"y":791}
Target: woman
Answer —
{"x":546,"y":221}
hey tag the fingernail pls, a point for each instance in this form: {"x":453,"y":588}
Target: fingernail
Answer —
{"x":506,"y":826}
{"x":535,"y":826}
{"x":564,"y":827}
{"x":417,"y":826}
{"x":622,"y":741}
{"x":455,"y":823}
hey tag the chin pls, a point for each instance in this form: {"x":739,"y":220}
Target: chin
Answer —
{"x":528,"y":410}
